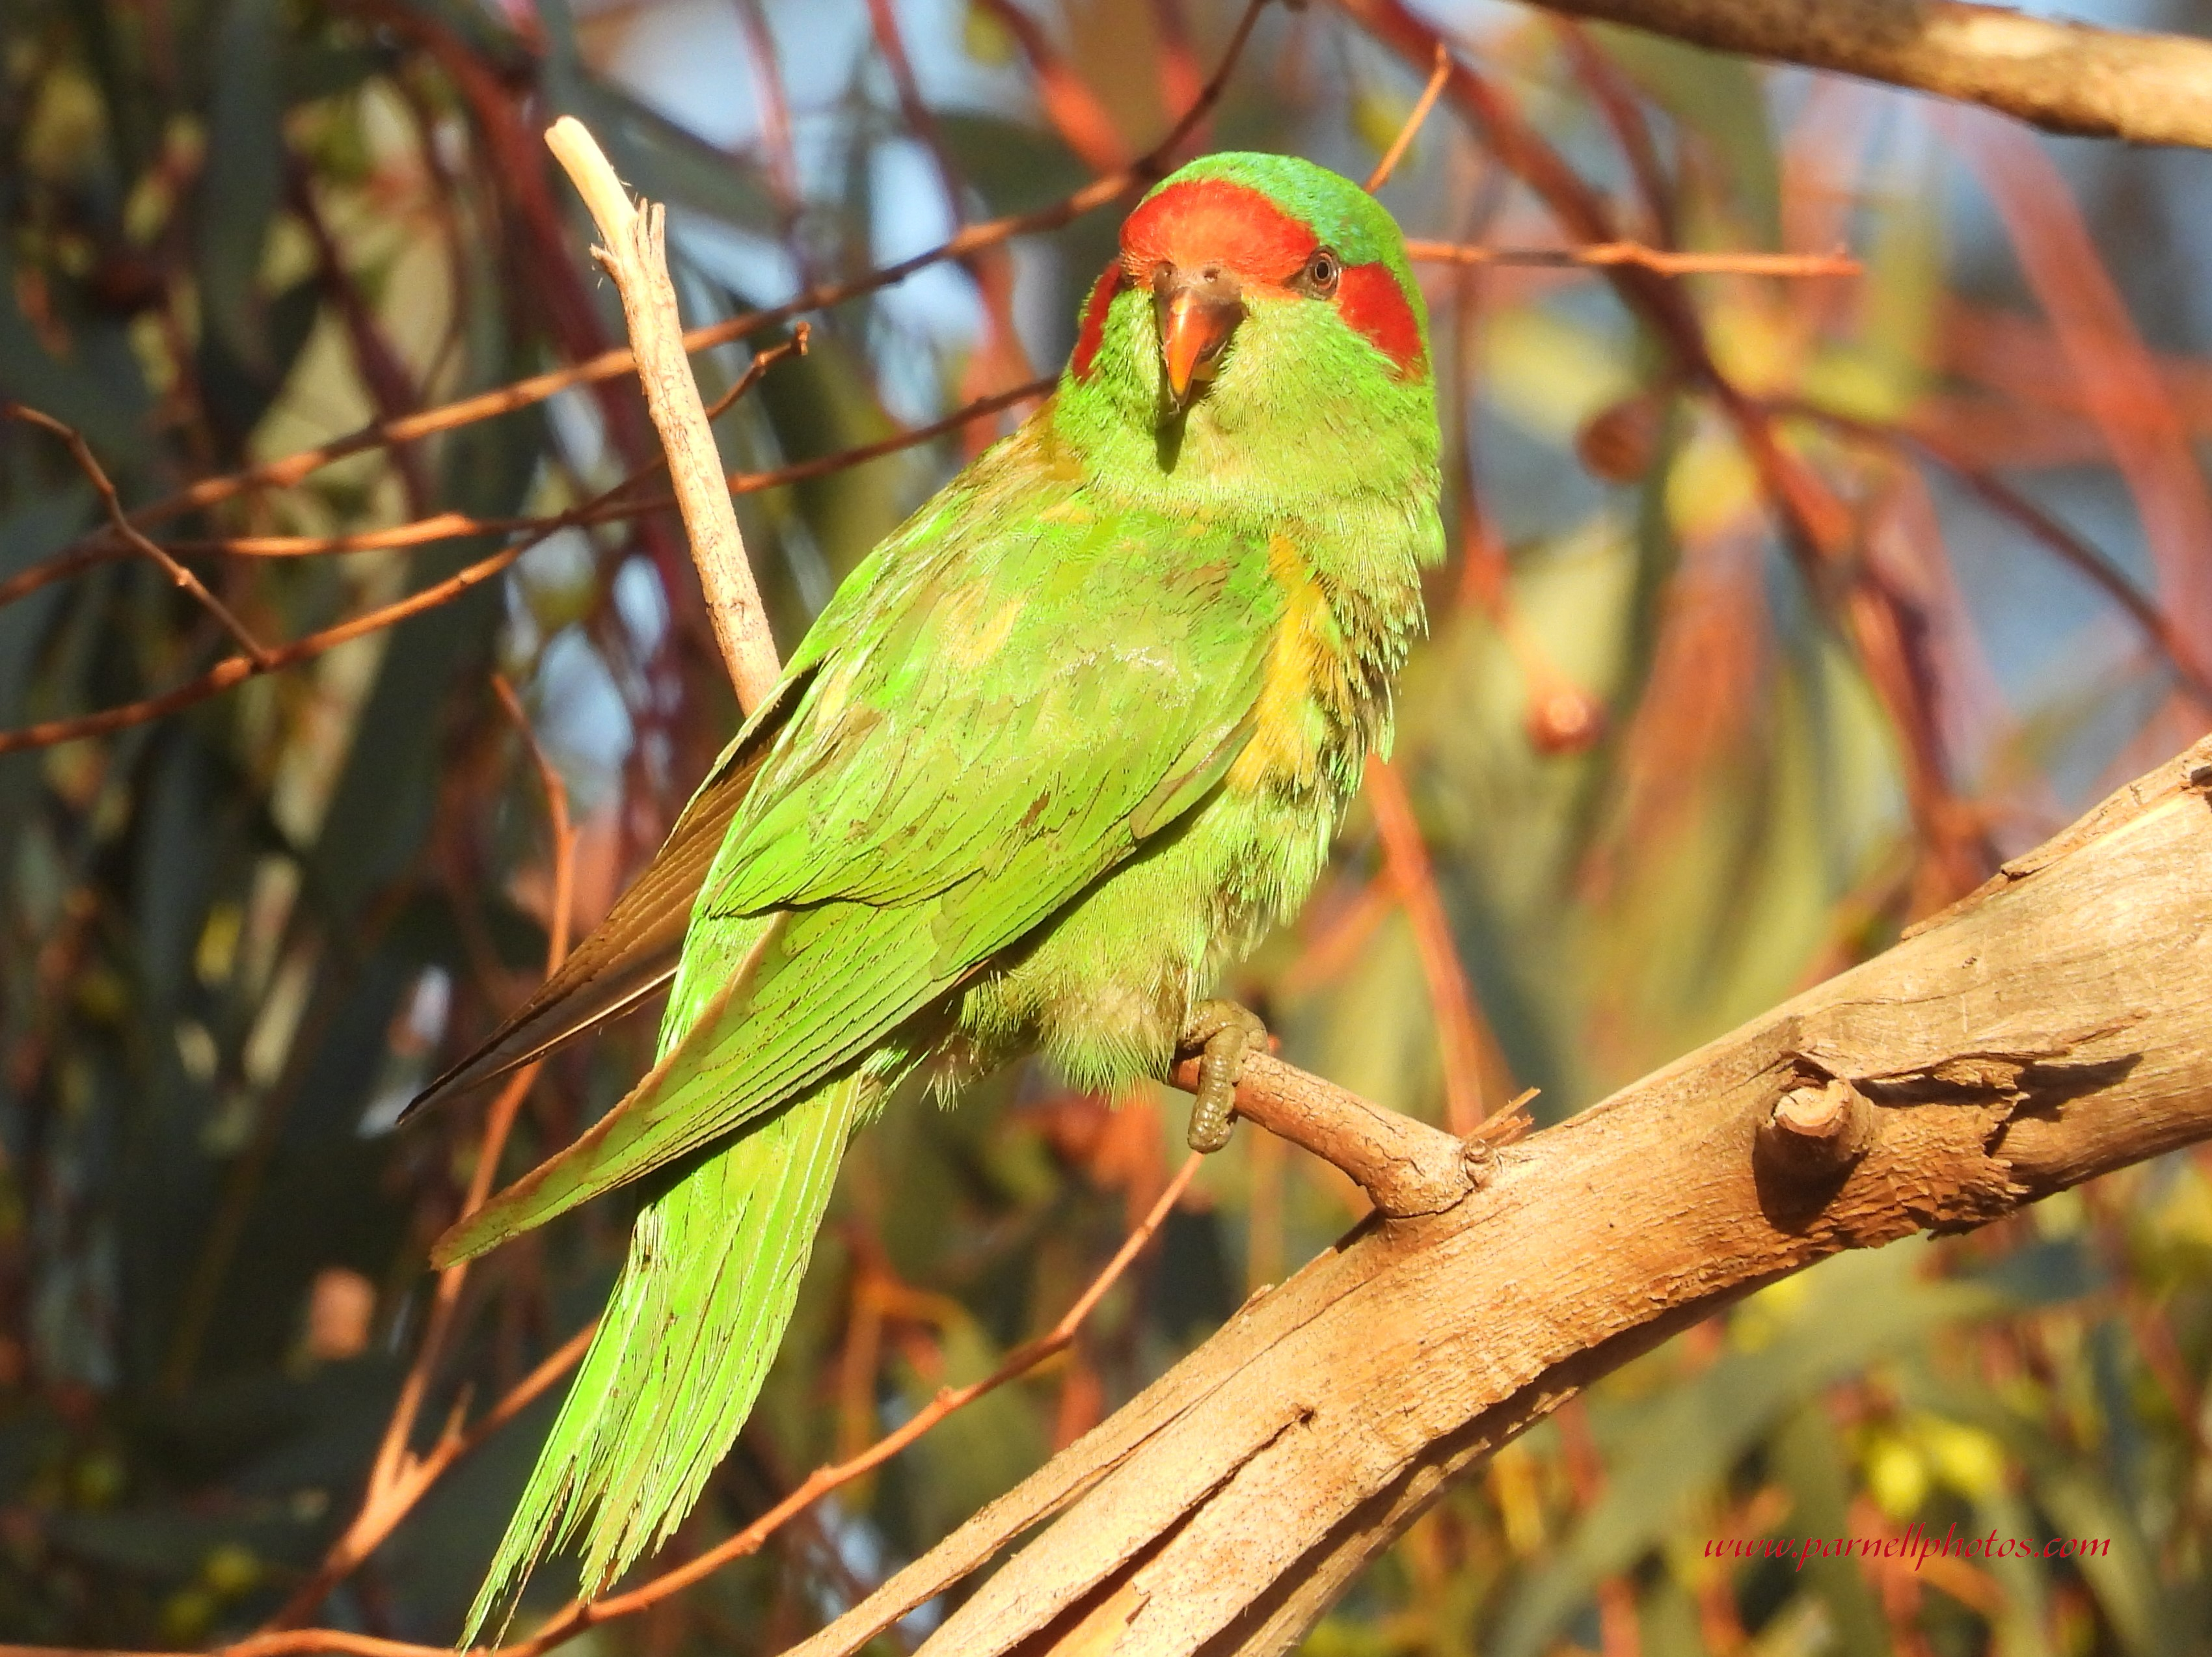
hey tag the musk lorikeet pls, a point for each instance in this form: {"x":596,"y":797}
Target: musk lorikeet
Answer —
{"x":1058,"y":751}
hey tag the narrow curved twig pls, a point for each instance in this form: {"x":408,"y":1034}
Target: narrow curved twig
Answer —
{"x":398,"y":1477}
{"x":119,"y":523}
{"x":609,"y":364}
{"x":613,"y":502}
{"x":2001,"y":497}
{"x":1411,"y":123}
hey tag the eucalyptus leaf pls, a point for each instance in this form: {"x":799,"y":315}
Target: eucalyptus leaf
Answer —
{"x":244,"y":179}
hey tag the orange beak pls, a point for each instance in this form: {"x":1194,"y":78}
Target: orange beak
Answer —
{"x":1197,"y":314}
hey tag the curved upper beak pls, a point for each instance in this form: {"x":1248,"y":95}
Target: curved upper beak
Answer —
{"x":1198,"y":311}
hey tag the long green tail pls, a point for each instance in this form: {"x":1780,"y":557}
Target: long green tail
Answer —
{"x":714,"y":1269}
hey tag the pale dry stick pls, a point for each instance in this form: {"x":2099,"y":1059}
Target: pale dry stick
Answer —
{"x":119,"y":522}
{"x":1451,"y":998}
{"x":1659,"y":260}
{"x":1404,"y":140}
{"x":608,"y":364}
{"x":635,"y":255}
{"x":398,"y":1478}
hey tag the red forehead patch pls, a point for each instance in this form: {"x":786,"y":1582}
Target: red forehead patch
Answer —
{"x":1213,"y":221}
{"x":1093,"y":327}
{"x":1370,"y":299}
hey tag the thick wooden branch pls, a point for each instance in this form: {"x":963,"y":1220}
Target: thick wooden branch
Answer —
{"x":2063,"y":77}
{"x":2056,"y":1025}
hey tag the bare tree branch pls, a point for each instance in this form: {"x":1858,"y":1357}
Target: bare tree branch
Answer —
{"x":635,"y":256}
{"x":2063,"y":77}
{"x":2053,"y":1026}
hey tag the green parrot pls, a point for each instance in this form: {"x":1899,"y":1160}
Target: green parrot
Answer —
{"x":1058,"y":751}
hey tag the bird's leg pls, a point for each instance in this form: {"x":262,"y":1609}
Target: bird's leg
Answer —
{"x":1222,"y":1033}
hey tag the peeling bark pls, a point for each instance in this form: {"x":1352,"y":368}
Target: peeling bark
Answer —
{"x":2055,"y":1025}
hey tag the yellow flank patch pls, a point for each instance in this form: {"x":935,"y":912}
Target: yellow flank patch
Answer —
{"x":1302,"y":667}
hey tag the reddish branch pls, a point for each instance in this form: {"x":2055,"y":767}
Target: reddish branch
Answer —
{"x":398,"y":1477}
{"x":1889,"y":637}
{"x":413,"y":1476}
{"x":1451,"y":998}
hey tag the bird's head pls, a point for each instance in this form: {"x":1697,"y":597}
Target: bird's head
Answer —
{"x":1258,"y":302}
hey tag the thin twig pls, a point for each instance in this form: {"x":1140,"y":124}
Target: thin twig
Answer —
{"x":802,"y":335}
{"x":119,"y":522}
{"x":2158,"y":627}
{"x":1422,"y":105}
{"x":398,"y":1478}
{"x":236,"y":670}
{"x":613,"y":502}
{"x":609,"y":364}
{"x":823,"y":1480}
{"x":1659,"y":260}
{"x":575,"y":1618}
{"x":1451,"y":997}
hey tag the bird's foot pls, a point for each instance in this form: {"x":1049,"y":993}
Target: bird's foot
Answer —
{"x":1221,"y":1033}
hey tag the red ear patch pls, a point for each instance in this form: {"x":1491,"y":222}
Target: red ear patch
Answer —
{"x":1110,"y":282}
{"x":1369,"y":298}
{"x":1213,"y":221}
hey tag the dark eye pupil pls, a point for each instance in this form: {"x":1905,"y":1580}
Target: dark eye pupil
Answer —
{"x":1324,"y":270}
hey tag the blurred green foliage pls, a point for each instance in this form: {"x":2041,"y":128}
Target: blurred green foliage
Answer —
{"x":1658,"y":788}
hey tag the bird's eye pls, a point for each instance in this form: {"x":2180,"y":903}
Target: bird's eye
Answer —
{"x":1323,"y":271}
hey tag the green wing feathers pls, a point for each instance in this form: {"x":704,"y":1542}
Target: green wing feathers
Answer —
{"x":936,"y":791}
{"x":714,"y":1266}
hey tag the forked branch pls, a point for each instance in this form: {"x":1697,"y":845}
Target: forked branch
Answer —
{"x":2054,"y":1026}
